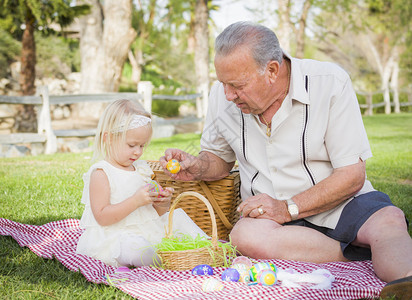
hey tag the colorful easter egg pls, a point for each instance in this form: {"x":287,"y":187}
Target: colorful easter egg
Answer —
{"x":202,"y":270}
{"x":173,"y":166}
{"x":156,"y":187}
{"x":240,"y":267}
{"x":242,"y":260}
{"x":243,"y":272}
{"x":244,"y":276}
{"x":212,"y":284}
{"x":266,"y":277}
{"x":254,"y":270}
{"x":230,"y":275}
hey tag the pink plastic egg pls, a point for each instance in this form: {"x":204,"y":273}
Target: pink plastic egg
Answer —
{"x":242,"y":260}
{"x":122,"y":270}
{"x":156,"y":187}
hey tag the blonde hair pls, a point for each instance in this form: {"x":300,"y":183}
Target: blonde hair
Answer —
{"x":117,"y":114}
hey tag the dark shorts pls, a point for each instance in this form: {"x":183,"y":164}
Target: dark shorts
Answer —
{"x":353,"y":216}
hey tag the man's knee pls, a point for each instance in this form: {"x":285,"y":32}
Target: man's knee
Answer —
{"x":389,"y":217}
{"x":239,"y":232}
{"x":386,"y":219}
{"x":249,"y":236}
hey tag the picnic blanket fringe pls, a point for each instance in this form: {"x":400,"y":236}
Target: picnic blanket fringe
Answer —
{"x":353,"y":280}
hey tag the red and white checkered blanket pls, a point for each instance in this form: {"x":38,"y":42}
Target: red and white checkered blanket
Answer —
{"x":353,"y":280}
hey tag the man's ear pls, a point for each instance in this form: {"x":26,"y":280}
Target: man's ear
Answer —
{"x":272,"y":70}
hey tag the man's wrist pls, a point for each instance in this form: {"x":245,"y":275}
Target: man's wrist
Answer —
{"x":292,"y":208}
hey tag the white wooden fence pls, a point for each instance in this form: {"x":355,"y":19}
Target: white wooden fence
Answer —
{"x":369,"y":105}
{"x":45,"y":133}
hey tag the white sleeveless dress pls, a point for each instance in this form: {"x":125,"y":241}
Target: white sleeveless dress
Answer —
{"x":129,"y":241}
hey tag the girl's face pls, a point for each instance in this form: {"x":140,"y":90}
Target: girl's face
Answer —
{"x":124,"y":153}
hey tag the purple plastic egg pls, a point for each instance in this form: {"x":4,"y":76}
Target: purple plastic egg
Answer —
{"x":230,"y":274}
{"x":202,"y":270}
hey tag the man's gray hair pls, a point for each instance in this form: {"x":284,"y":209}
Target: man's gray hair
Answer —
{"x":262,"y":42}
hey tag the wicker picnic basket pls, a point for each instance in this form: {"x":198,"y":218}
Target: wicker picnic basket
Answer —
{"x":223,"y":195}
{"x":188,"y":259}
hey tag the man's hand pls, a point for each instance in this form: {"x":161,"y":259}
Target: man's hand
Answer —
{"x":206,"y":166}
{"x":186,"y":161}
{"x":263,"y":206}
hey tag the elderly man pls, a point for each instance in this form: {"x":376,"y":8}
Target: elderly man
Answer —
{"x":295,"y":129}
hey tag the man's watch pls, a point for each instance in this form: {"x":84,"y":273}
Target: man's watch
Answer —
{"x":292,"y":209}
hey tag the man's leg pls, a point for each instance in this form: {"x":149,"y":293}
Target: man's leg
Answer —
{"x":263,"y":238}
{"x":385,"y":232}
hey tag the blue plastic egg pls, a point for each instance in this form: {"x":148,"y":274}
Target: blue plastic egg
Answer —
{"x":230,"y":274}
{"x":202,"y":270}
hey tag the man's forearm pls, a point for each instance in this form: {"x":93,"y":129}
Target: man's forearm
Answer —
{"x":210,"y":167}
{"x":333,"y":190}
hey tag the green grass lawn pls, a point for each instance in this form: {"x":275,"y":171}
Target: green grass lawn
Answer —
{"x":37,"y":190}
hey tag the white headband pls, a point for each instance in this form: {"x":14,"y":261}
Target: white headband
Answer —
{"x":136,"y":122}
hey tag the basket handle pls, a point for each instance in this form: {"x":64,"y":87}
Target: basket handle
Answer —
{"x":209,"y":208}
{"x":215,"y":205}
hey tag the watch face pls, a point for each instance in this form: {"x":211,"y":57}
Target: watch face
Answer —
{"x":293,"y":210}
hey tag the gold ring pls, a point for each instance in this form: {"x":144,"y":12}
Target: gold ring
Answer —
{"x":260,"y":210}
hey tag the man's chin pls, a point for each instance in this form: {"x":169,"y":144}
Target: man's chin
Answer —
{"x":244,"y":108}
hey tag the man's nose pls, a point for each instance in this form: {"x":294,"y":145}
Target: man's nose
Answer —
{"x":230,"y":93}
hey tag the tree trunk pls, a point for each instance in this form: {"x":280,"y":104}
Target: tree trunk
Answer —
{"x":284,"y":29}
{"x":136,"y":62}
{"x":106,"y":36}
{"x":91,"y":33}
{"x":300,"y":34}
{"x":26,"y":120}
{"x":201,"y":31}
{"x":394,"y":83}
{"x":384,"y":69}
{"x":387,"y":70}
{"x":118,"y":35}
{"x":136,"y":58}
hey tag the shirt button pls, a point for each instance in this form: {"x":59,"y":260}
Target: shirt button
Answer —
{"x":270,"y":141}
{"x":275,"y":170}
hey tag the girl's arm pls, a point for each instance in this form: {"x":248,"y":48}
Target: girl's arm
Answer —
{"x":106,"y":213}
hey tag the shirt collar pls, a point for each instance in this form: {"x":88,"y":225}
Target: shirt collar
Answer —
{"x":297,"y":88}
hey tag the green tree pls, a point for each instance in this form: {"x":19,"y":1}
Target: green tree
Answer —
{"x":377,"y":30}
{"x":31,"y":15}
{"x":9,"y":50}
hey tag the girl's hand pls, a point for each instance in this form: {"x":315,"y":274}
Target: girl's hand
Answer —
{"x":143,"y":197}
{"x":162,"y":203}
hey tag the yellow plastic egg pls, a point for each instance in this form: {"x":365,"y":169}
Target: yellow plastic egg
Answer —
{"x":173,"y":166}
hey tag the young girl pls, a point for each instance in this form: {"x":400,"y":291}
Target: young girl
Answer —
{"x":123,"y":218}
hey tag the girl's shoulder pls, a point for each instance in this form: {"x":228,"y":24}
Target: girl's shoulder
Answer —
{"x":104,"y":165}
